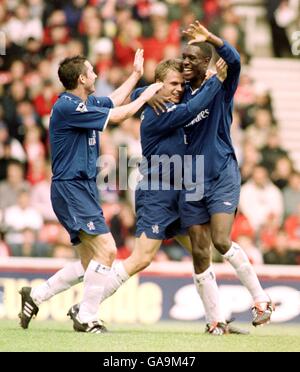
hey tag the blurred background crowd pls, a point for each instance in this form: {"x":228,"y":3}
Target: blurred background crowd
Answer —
{"x":39,"y":34}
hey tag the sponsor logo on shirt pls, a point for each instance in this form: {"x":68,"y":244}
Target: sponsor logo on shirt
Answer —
{"x":202,"y":115}
{"x":81,"y":107}
{"x":227,"y":203}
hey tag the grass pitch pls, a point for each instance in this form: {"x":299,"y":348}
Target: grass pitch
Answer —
{"x":164,"y":336}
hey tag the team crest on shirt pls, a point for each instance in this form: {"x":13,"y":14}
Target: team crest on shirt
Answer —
{"x":155,"y":229}
{"x":81,"y":107}
{"x":91,"y":226}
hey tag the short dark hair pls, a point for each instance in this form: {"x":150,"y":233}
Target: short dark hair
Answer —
{"x":163,"y":67}
{"x":206,"y":49}
{"x":70,"y":69}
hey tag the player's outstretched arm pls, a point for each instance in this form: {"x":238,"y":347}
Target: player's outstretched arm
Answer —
{"x":198,"y":33}
{"x":124,"y":112}
{"x":119,"y":95}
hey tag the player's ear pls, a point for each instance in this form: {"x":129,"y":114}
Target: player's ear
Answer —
{"x":81,"y":79}
{"x":207,"y":60}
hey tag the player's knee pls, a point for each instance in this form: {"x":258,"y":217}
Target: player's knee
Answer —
{"x":201,"y":256}
{"x":200,"y":239}
{"x":222,"y":243}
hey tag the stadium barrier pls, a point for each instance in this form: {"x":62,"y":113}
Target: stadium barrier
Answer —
{"x":165,"y":291}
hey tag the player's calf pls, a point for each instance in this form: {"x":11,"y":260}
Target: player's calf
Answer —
{"x":28,"y":307}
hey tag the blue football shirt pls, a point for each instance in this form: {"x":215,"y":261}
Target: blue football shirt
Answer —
{"x":208,"y":133}
{"x":163,"y":134}
{"x":73,"y":132}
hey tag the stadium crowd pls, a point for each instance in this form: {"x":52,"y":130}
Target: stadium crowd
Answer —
{"x":40,"y":34}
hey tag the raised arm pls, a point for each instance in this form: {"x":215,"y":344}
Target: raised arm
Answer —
{"x":119,"y":95}
{"x":198,"y":33}
{"x":124,"y":112}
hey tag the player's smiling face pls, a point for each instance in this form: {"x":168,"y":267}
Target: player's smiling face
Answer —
{"x":194,"y":63}
{"x":173,"y":86}
{"x":90,"y":78}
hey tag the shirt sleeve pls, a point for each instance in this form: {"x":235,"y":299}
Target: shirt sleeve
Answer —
{"x":136,"y":93}
{"x":86,"y":116}
{"x":101,"y":101}
{"x":232,"y":58}
{"x":180,"y":115}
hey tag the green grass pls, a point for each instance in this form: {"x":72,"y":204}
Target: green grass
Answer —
{"x":164,"y":336}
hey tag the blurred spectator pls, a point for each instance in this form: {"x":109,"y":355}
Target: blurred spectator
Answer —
{"x":241,"y":227}
{"x":29,"y":246}
{"x":162,"y":34}
{"x":13,"y":184}
{"x":259,"y":131}
{"x":280,"y":15}
{"x":251,"y":157}
{"x":73,"y":11}
{"x":17,"y":93}
{"x":268,"y":232}
{"x":19,"y":217}
{"x":4,"y":249}
{"x":272,"y":151}
{"x":40,"y":197}
{"x":33,"y":144}
{"x":103,"y":50}
{"x":280,"y":253}
{"x":63,"y":251}
{"x":122,"y":225}
{"x":292,"y":228}
{"x":21,"y":26}
{"x":44,"y":101}
{"x":237,"y":135}
{"x":291,"y":194}
{"x":127,"y":42}
{"x":260,"y":198}
{"x":282,"y":172}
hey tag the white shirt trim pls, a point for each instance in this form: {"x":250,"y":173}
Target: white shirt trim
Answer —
{"x":107,"y":120}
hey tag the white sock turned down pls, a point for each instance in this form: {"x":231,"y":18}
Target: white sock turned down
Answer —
{"x":209,"y":293}
{"x":245,"y":272}
{"x":65,"y":278}
{"x":94,"y":282}
{"x":117,"y":277}
{"x":72,"y":274}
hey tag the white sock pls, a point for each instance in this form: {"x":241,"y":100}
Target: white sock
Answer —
{"x":95,"y":279}
{"x":117,"y":277}
{"x":65,"y":278}
{"x":245,"y":272}
{"x":209,"y":293}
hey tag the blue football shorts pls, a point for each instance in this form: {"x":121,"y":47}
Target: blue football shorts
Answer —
{"x":157,"y":214}
{"x":76,"y":205}
{"x":220,"y":196}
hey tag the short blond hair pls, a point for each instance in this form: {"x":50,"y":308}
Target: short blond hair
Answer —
{"x":163,"y":67}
